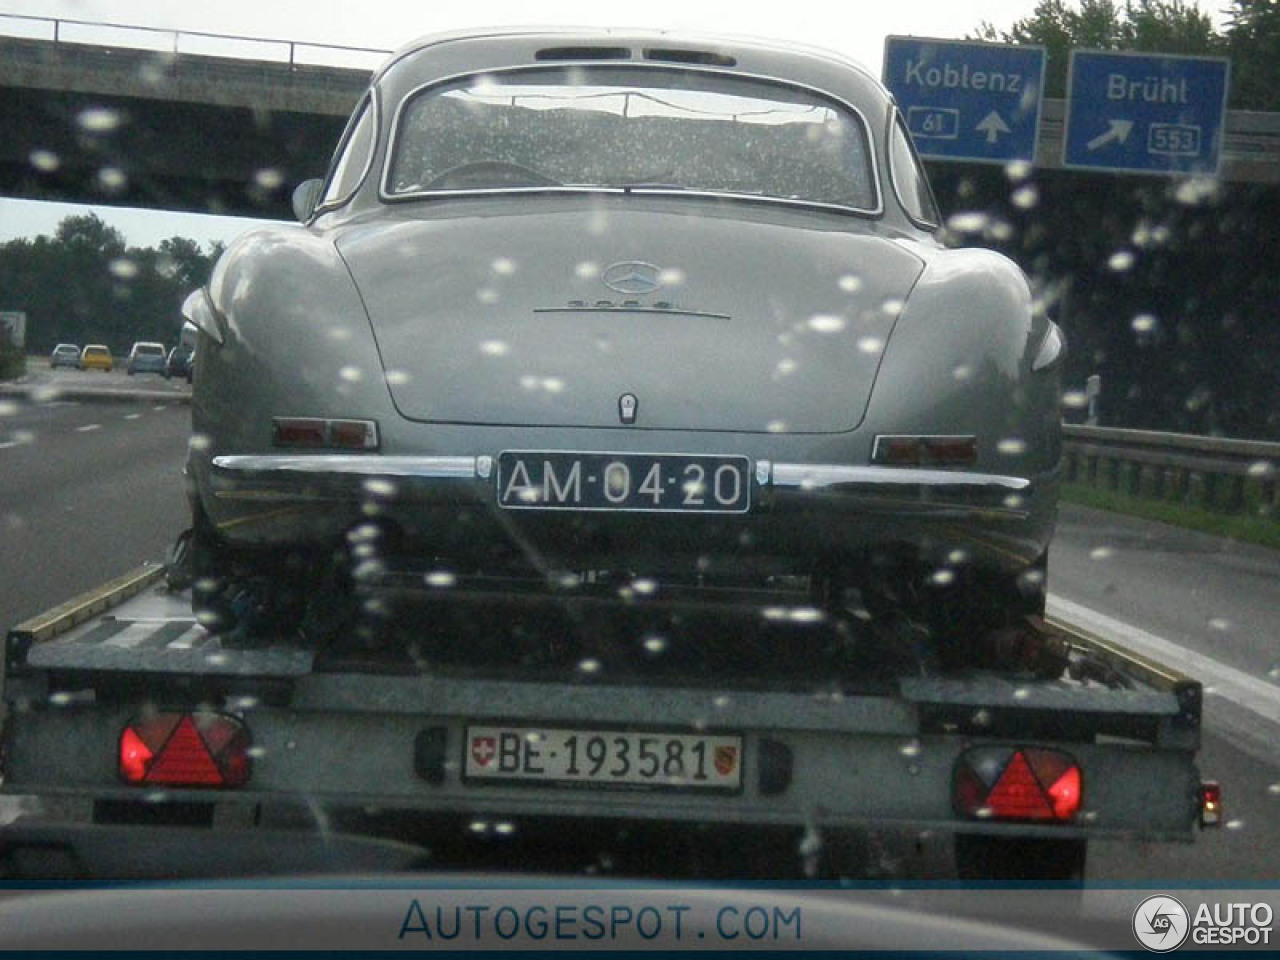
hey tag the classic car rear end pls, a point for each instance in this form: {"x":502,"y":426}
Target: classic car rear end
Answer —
{"x":604,"y":309}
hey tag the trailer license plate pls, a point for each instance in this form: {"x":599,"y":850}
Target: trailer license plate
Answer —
{"x":603,"y":757}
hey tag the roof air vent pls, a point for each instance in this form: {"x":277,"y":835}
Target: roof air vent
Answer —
{"x":584,"y":53}
{"x":707,"y":57}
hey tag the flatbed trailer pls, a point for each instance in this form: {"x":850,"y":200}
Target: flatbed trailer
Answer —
{"x":305,"y":741}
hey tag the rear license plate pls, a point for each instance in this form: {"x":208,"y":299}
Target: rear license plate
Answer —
{"x":634,"y":482}
{"x":603,"y":757}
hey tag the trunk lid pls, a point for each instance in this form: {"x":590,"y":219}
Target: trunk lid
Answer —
{"x":548,"y":316}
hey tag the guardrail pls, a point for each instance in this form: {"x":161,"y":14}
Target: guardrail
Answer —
{"x":247,"y":48}
{"x":1221,"y":473}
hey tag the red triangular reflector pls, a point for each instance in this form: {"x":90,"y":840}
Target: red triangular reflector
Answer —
{"x":185,"y":760}
{"x":1018,"y":794}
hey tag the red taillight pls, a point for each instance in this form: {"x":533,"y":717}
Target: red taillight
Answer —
{"x":1027,"y":784}
{"x":319,"y":433}
{"x":1210,"y":803}
{"x":185,"y":750}
{"x":135,"y":756}
{"x":917,"y":451}
{"x":297,"y":432}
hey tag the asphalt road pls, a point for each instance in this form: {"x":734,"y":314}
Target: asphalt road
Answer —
{"x":89,"y":489}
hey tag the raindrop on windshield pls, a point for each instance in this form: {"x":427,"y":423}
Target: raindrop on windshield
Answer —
{"x":589,"y":666}
{"x":1026,"y":197}
{"x":503,"y":266}
{"x":268,"y":178}
{"x":1017,"y":170}
{"x":45,"y":161}
{"x":1144,"y":323}
{"x":1101,"y":553}
{"x":671,"y":277}
{"x":441,"y":579}
{"x":870,"y":345}
{"x":1012,"y":446}
{"x":112,"y":179}
{"x":586,"y":270}
{"x":826,"y":323}
{"x":850,"y":283}
{"x":1121,"y":261}
{"x":397,"y":378}
{"x":969,"y":221}
{"x":122,"y":268}
{"x":98,"y":120}
{"x":351,"y":374}
{"x":495,"y":348}
{"x":1196,"y":190}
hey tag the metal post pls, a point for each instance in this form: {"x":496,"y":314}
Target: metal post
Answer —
{"x":1235,"y":495}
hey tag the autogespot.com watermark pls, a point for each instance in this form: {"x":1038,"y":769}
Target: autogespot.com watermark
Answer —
{"x":1162,"y":924}
{"x":665,"y":923}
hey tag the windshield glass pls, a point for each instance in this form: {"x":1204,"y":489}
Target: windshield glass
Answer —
{"x":610,"y":127}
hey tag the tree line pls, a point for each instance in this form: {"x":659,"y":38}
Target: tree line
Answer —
{"x":86,"y":285}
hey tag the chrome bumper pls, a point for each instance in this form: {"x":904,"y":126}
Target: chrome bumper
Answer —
{"x":280,"y":476}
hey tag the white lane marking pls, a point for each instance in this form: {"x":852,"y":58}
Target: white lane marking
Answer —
{"x":1254,"y":695}
{"x":89,"y":426}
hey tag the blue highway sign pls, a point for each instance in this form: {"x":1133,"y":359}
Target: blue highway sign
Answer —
{"x":1145,"y":113}
{"x":965,"y":100}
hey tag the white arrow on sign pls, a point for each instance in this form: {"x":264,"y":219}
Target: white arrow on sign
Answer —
{"x":992,"y":125}
{"x":1117,"y":130}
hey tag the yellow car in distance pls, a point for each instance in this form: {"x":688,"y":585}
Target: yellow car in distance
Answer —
{"x":95,"y":356}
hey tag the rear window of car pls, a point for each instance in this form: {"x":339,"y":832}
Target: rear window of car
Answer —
{"x":615,"y":126}
{"x":96,"y":351}
{"x":154,"y":349}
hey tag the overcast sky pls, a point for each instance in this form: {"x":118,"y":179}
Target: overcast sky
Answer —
{"x":856,"y":28}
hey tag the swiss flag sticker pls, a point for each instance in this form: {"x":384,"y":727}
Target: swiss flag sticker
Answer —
{"x":483,"y":749}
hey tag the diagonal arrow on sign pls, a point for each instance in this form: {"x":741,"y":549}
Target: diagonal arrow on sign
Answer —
{"x":992,"y":125}
{"x":1117,"y":130}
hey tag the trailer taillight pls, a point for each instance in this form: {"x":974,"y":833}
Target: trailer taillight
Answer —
{"x":1210,"y":803}
{"x":185,"y":750}
{"x":1026,"y":784}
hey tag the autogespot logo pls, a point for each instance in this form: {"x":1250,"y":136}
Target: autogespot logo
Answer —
{"x":1161,"y":923}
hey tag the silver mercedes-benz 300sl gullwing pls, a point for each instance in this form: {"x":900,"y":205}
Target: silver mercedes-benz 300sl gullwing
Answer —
{"x":617,"y":316}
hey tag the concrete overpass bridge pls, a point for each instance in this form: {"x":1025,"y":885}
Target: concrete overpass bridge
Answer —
{"x":165,"y":128}
{"x":180,"y":127}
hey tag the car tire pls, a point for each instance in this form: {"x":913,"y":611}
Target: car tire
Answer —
{"x":1059,"y":859}
{"x":211,"y":575}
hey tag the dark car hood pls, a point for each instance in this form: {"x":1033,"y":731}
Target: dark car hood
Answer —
{"x":499,"y":313}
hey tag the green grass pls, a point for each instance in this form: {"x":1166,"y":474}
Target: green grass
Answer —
{"x":1249,"y":527}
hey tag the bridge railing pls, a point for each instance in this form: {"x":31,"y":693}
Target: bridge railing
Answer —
{"x":1220,"y":473}
{"x":198,"y":42}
